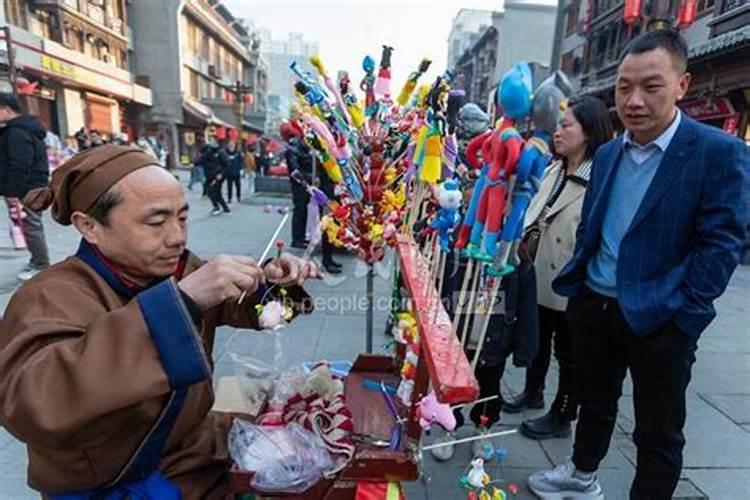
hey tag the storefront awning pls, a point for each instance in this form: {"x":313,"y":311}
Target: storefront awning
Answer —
{"x":203,"y":113}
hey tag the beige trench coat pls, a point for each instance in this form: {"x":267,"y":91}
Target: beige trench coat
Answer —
{"x":558,"y":241}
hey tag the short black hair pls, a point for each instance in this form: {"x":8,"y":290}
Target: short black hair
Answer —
{"x":8,"y":100}
{"x":104,"y":204}
{"x":595,"y":121}
{"x":667,"y":39}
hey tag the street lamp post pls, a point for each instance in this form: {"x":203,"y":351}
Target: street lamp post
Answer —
{"x":240,"y":91}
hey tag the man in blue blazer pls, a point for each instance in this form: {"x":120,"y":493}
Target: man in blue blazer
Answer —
{"x":661,"y":231}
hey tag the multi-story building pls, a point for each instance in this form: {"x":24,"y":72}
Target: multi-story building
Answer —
{"x":466,"y":29}
{"x":570,"y":42}
{"x":280,"y":54}
{"x":718,"y":50}
{"x":522,"y":32}
{"x":74,"y":58}
{"x":193,"y":53}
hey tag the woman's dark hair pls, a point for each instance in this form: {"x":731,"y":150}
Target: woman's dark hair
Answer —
{"x":595,"y":121}
{"x":104,"y":204}
{"x":8,"y":100}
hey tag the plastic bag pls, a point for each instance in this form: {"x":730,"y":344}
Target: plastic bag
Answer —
{"x":257,"y":381}
{"x":289,"y":459}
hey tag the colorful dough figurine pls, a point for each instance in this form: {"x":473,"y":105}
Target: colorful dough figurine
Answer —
{"x":514,"y":96}
{"x":431,"y":411}
{"x":449,"y":198}
{"x":546,"y":112}
{"x":383,"y":82}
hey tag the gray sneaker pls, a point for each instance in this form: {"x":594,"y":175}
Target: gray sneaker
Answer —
{"x":565,"y":483}
{"x":28,"y":273}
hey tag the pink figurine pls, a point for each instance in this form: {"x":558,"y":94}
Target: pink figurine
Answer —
{"x":271,"y":315}
{"x":431,"y":411}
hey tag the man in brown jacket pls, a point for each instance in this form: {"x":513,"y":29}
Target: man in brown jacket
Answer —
{"x":106,"y":357}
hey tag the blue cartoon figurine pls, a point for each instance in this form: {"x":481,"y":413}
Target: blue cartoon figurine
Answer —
{"x":514,"y":97}
{"x":449,"y":198}
{"x":547,"y":107}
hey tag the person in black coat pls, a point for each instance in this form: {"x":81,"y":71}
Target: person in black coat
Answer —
{"x":299,"y":162}
{"x":236,"y":163}
{"x":23,"y":167}
{"x":215,"y":163}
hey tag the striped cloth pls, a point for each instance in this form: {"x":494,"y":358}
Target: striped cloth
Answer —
{"x":319,"y":406}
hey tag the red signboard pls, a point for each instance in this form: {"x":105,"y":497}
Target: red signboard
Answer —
{"x":707,"y":109}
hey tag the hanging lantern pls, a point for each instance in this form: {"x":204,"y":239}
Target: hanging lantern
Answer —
{"x":221,"y":133}
{"x":233,"y":135}
{"x":228,"y":96}
{"x":632,"y":12}
{"x":687,"y":13}
{"x":249,"y":99}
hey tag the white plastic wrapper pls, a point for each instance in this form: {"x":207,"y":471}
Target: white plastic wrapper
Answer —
{"x":283,"y":459}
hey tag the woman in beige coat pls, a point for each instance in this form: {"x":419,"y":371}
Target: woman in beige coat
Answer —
{"x":551,"y":223}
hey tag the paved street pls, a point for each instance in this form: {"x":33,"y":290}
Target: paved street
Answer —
{"x":717,"y":460}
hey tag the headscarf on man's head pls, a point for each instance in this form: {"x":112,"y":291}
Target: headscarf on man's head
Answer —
{"x":80,"y":181}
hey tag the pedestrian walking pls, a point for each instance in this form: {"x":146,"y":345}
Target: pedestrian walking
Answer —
{"x":235,"y":159}
{"x":215,"y":164}
{"x":250,"y":169}
{"x":551,"y":223}
{"x":661,"y":230}
{"x":24,"y":166}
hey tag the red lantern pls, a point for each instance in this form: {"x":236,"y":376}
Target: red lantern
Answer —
{"x":249,"y":99}
{"x":687,"y":13}
{"x":233,"y":135}
{"x":221,"y":133}
{"x":228,"y":96}
{"x":632,"y":11}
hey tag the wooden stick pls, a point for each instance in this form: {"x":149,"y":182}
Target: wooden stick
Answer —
{"x":459,"y":307}
{"x":486,"y":324}
{"x":268,"y":249}
{"x":473,"y":285}
{"x":470,"y":439}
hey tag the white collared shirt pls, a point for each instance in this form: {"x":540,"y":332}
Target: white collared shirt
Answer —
{"x":639,"y":153}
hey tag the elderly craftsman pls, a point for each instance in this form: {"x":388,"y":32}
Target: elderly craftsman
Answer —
{"x":106,"y":357}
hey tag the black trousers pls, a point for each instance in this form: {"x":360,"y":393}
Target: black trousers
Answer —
{"x":488,"y":412}
{"x":660,"y":364}
{"x":233,"y":180}
{"x":214,"y":194}
{"x":300,"y":198}
{"x":553,"y":325}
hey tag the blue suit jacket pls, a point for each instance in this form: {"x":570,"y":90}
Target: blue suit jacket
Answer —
{"x":685,"y":240}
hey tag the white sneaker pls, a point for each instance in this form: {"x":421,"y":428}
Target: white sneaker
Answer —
{"x":216,"y":211}
{"x":444,"y":453}
{"x":28,"y":273}
{"x":482,"y":448}
{"x":564,"y":482}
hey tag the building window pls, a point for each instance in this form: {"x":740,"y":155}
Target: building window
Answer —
{"x":73,"y":39}
{"x":705,"y":5}
{"x":572,"y":20}
{"x":192,"y":38}
{"x":193,"y":89}
{"x":43,"y":25}
{"x":732,"y":4}
{"x":73,"y":4}
{"x":205,"y":46}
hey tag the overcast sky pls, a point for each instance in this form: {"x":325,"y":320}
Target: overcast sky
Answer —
{"x":347,"y":30}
